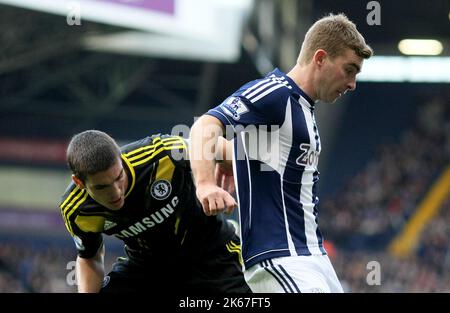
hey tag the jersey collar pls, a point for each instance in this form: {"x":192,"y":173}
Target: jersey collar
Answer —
{"x":310,"y":103}
{"x":133,"y":174}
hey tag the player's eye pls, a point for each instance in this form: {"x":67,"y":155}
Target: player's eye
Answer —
{"x":120,"y":176}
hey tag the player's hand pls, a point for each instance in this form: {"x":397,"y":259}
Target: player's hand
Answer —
{"x":214,"y":199}
{"x":224,"y":177}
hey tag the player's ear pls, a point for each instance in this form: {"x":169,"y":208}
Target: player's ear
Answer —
{"x":319,"y":57}
{"x":77,"y":181}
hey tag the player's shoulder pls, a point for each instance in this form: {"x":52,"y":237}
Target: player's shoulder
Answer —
{"x":81,"y":214}
{"x":153,"y":151}
{"x":72,"y":195}
{"x":274,"y":86}
{"x":77,"y":199}
{"x":152,"y":142}
{"x":139,"y":144}
{"x":73,"y":200}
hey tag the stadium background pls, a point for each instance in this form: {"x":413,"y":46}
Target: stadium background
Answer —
{"x":385,"y":181}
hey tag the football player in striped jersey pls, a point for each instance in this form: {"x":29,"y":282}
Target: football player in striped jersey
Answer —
{"x":276,"y":184}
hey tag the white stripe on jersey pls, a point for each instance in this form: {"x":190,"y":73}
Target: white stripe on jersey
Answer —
{"x":268,"y":79}
{"x":317,"y":132}
{"x":267,"y":92}
{"x":249,"y":180}
{"x":306,"y":192}
{"x":261,"y":88}
{"x":302,"y":100}
{"x":286,"y":144}
{"x":256,"y":86}
{"x":237,"y":188}
{"x":255,"y":92}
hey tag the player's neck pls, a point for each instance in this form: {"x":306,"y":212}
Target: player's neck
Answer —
{"x":128,"y":178}
{"x":303,"y":76}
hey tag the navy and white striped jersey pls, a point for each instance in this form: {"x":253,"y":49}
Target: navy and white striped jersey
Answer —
{"x":276,"y":153}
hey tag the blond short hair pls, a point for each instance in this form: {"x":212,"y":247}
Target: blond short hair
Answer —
{"x":334,"y":34}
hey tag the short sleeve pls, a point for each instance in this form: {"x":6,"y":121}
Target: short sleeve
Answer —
{"x":88,"y":244}
{"x":244,"y":110}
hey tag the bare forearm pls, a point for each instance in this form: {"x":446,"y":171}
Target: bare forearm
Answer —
{"x":203,"y":141}
{"x":90,"y":272}
{"x":203,"y":152}
{"x":224,"y":151}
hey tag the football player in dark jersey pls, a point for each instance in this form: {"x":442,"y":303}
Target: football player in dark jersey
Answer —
{"x":143,"y":194}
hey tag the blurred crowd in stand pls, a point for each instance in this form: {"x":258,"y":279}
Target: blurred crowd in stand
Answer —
{"x":362,"y":218}
{"x":40,"y":267}
{"x":426,"y":270}
{"x":33,"y":268}
{"x":374,"y":205}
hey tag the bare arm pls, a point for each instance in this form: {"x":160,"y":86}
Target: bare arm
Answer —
{"x":224,"y":165}
{"x":90,"y":272}
{"x":224,"y":151}
{"x":203,"y":152}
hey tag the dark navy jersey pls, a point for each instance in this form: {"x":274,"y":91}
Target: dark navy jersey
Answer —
{"x":161,"y":218}
{"x":276,"y":153}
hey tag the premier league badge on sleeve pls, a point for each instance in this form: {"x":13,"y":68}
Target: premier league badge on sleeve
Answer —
{"x":234,"y":107}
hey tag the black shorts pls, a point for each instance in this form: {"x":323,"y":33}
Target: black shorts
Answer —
{"x":218,"y":272}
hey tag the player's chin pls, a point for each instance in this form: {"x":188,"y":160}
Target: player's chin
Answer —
{"x":333,"y":99}
{"x":115,"y":205}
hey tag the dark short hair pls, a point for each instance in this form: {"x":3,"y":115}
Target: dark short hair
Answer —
{"x":90,"y":152}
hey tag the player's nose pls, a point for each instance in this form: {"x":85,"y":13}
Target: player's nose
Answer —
{"x":351,"y":85}
{"x":117,"y":190}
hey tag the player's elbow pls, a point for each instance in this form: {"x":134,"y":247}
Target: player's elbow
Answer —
{"x":207,"y":127}
{"x":207,"y":124}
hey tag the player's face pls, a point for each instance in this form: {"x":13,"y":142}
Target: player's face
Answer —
{"x":108,"y":187}
{"x":339,"y":76}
